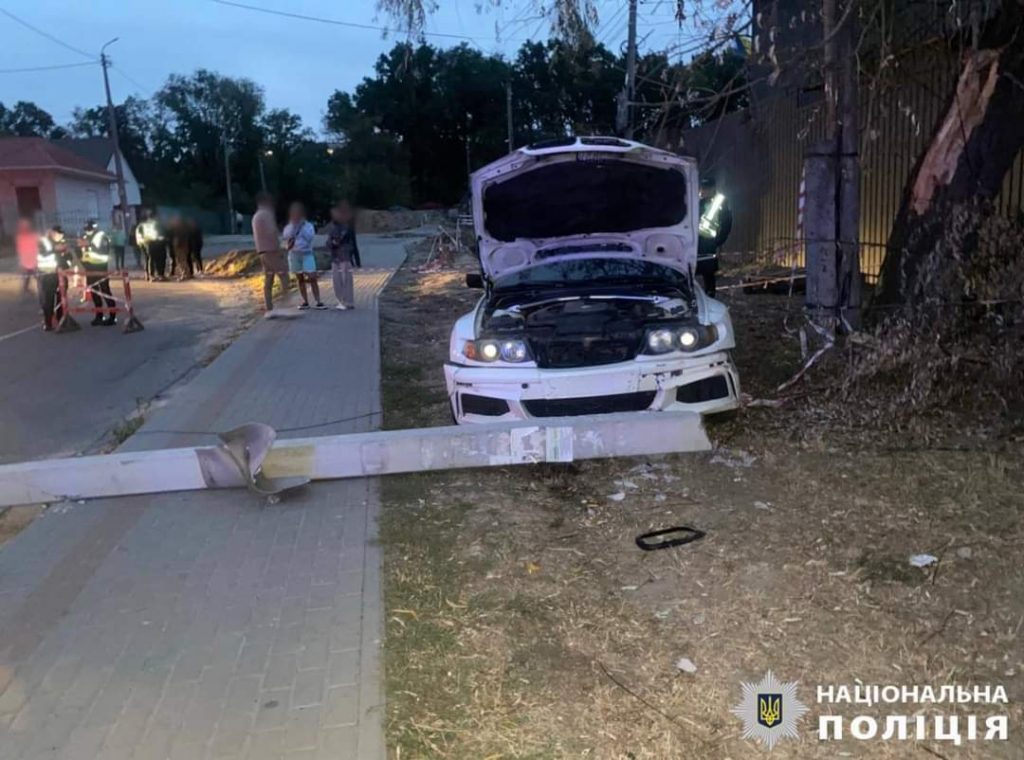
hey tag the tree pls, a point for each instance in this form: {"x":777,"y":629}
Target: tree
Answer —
{"x":201,"y":114}
{"x":374,"y":165}
{"x":971,"y":150}
{"x":135,"y":127}
{"x":26,"y":119}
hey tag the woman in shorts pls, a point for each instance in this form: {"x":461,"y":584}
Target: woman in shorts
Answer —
{"x":298,"y":240}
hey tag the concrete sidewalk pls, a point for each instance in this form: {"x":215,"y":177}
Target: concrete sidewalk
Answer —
{"x":213,"y":625}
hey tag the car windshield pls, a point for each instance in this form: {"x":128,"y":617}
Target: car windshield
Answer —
{"x":593,"y":271}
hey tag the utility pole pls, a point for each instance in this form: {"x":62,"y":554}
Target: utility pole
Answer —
{"x":624,"y":112}
{"x":263,"y":176}
{"x":848,"y":185}
{"x":122,"y":194}
{"x":227,"y":175}
{"x":508,"y":109}
{"x":833,"y":182}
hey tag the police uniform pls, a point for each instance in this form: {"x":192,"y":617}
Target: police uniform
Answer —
{"x":95,"y":258}
{"x":53,"y":255}
{"x":154,"y":243}
{"x":713,"y":230}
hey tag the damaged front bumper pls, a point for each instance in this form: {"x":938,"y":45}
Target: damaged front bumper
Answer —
{"x":707,"y":384}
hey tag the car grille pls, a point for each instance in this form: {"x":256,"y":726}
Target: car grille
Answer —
{"x":573,"y":407}
{"x":590,"y":352}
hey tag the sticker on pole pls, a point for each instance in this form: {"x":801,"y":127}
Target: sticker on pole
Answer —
{"x":558,"y":444}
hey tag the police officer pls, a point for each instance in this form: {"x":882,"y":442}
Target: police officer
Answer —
{"x":53,"y":254}
{"x":154,"y":245}
{"x":713,"y":229}
{"x":95,"y":256}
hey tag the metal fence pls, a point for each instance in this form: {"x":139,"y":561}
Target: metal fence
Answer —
{"x":757,"y":158}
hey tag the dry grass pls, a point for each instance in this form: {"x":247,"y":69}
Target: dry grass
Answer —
{"x":522,"y":622}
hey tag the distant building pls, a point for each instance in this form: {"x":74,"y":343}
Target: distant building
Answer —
{"x":51,"y":184}
{"x":98,"y":150}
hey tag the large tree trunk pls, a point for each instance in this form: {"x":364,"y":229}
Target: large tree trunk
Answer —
{"x":971,"y":151}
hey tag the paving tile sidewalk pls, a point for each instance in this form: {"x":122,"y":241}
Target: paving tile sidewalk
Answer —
{"x":210,"y":624}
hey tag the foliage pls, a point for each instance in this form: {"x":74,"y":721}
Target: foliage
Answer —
{"x":407,"y":135}
{"x":135,"y":122}
{"x":25,"y":119}
{"x":444,"y":111}
{"x":955,"y":342}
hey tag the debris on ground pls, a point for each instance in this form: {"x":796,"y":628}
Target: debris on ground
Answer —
{"x":923,"y":560}
{"x":822,"y":591}
{"x":685,"y":664}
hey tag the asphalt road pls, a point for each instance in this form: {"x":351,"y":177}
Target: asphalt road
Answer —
{"x":63,"y":394}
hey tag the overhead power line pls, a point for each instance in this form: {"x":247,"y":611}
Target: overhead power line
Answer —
{"x":336,"y":22}
{"x":135,"y":82}
{"x":47,"y":68}
{"x":47,"y":35}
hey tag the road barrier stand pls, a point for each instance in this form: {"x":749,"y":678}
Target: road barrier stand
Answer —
{"x":75,"y":280}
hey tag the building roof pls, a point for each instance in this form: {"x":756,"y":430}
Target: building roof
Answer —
{"x":19,"y":153}
{"x":96,"y":150}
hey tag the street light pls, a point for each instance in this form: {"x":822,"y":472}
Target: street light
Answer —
{"x":115,"y":142}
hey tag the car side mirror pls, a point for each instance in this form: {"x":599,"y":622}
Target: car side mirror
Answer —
{"x":474,"y":280}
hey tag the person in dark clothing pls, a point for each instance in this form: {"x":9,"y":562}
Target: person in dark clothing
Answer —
{"x":94,"y":244}
{"x":180,"y":244}
{"x":195,"y":245}
{"x":341,"y":242}
{"x":713,"y":230}
{"x":54,"y":254}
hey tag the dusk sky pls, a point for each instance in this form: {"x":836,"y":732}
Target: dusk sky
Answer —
{"x":299,"y":63}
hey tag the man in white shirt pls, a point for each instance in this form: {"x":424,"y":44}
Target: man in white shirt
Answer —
{"x":268,"y":245}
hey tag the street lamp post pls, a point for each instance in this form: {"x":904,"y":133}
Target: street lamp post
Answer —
{"x":122,"y":193}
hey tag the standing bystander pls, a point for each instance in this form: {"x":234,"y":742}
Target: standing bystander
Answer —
{"x":298,"y":236}
{"x":341,"y":242}
{"x":268,"y":246}
{"x":118,"y":237}
{"x":27,"y":243}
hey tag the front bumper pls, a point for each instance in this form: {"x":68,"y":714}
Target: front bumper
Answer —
{"x":707,"y":384}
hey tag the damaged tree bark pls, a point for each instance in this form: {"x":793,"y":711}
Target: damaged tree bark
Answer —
{"x":970,"y":153}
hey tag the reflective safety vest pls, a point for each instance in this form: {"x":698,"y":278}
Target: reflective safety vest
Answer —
{"x":46,"y":261}
{"x":709,"y":220}
{"x":96,"y":249}
{"x":148,"y":232}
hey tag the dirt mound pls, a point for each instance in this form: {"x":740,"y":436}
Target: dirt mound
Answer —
{"x":373,"y":220}
{"x":234,"y":264}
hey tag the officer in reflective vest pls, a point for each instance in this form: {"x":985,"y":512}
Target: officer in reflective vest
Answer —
{"x":53,"y":255}
{"x":95,"y":256}
{"x":713,"y":230}
{"x":153,"y":242}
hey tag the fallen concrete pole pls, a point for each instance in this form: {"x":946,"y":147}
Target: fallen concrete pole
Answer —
{"x":355,"y":455}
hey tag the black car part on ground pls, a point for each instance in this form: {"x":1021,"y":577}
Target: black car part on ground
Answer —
{"x":683,"y":535}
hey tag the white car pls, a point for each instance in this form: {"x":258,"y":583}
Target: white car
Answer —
{"x":588,"y":248}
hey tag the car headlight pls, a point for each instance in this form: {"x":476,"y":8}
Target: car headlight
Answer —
{"x":660,"y":341}
{"x":513,"y":351}
{"x":688,"y":338}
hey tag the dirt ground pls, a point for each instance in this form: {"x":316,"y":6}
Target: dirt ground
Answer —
{"x":523,"y":622}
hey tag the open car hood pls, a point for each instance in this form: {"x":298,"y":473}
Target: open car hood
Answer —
{"x":570,"y":197}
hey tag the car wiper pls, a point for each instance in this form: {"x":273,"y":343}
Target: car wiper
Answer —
{"x":655,"y":299}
